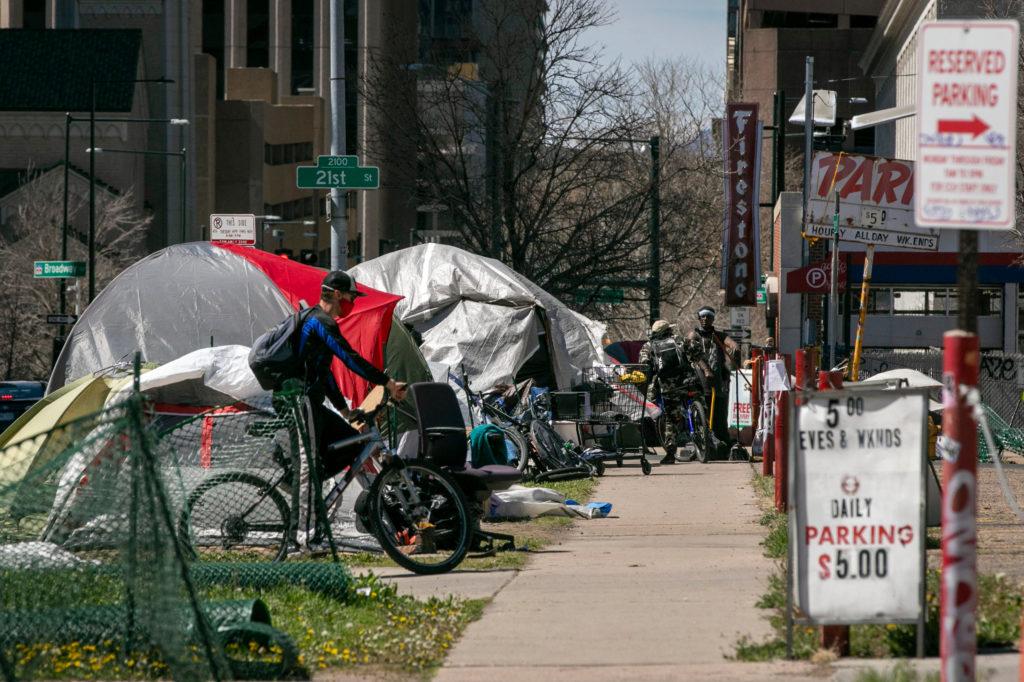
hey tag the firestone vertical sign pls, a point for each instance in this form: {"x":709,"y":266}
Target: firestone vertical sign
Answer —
{"x":967,"y":116}
{"x":741,"y":246}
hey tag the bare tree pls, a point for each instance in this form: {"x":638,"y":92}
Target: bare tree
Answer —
{"x":537,"y":151}
{"x":34,"y":233}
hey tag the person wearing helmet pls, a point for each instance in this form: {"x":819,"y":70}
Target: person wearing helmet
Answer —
{"x":665,"y":353}
{"x":721,"y":357}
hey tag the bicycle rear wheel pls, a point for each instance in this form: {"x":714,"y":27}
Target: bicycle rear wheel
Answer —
{"x":701,"y":432}
{"x":518,"y":444}
{"x":232,"y":515}
{"x":420,"y":517}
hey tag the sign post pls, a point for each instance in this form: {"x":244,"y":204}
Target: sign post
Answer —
{"x":857,"y":508}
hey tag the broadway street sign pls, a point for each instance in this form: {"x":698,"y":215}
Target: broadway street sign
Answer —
{"x":337,"y":172}
{"x":58,"y":268}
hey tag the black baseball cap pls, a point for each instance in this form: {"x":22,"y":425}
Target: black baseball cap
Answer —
{"x":339,"y":280}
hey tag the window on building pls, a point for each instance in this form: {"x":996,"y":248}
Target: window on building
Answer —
{"x":863,"y":21}
{"x":879,"y":301}
{"x":213,"y":38}
{"x":302,"y":44}
{"x":257,"y":16}
{"x":294,"y":152}
{"x":783,"y":19}
{"x":864,"y":140}
{"x":34,"y":14}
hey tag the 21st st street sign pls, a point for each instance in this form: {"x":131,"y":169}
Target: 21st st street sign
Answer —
{"x":967,"y":115}
{"x":337,"y":172}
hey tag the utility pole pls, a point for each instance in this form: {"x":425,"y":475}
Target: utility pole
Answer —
{"x":808,"y":153}
{"x":339,"y":217}
{"x":833,"y":291}
{"x":967,"y":282}
{"x":654,"y":285}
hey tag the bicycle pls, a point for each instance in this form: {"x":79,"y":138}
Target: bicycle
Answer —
{"x":414,"y":509}
{"x":695,"y":419}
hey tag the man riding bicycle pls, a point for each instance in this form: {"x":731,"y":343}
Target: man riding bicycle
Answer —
{"x":320,"y":341}
{"x":671,"y":361}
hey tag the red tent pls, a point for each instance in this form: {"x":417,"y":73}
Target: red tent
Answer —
{"x":191,"y":296}
{"x":366,"y":327}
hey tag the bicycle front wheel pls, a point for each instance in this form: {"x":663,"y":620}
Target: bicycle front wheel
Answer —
{"x":702,"y":438}
{"x":420,"y":517}
{"x":234,"y":515}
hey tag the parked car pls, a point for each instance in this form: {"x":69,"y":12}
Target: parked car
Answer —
{"x":16,"y":397}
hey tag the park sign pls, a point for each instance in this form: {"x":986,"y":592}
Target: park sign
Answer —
{"x":857,"y":505}
{"x":58,"y":268}
{"x":741,"y":243}
{"x":233,"y":228}
{"x":337,"y":172}
{"x":876,"y":198}
{"x":967,"y":124}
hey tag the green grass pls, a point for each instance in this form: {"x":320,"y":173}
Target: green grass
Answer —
{"x":373,"y":626}
{"x":998,"y":620}
{"x":376,"y":627}
{"x":901,"y":672}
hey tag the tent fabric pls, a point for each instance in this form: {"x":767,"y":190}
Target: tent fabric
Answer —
{"x":479,"y":312}
{"x":197,"y":295}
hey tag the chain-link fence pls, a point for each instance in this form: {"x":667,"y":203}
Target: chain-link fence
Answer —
{"x":93,"y":578}
{"x":117,"y":527}
{"x":997,"y":381}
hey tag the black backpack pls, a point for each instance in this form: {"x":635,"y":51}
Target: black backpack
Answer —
{"x":274,"y":356}
{"x":668,"y":358}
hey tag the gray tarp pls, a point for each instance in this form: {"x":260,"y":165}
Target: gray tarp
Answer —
{"x":480,"y":312}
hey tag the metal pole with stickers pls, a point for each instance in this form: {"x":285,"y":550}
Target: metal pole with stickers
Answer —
{"x":857,"y":483}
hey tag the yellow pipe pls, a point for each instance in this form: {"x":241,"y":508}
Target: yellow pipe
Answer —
{"x":711,"y":414}
{"x":865,"y":284}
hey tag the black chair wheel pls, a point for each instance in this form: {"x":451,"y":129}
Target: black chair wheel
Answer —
{"x":645,"y":466}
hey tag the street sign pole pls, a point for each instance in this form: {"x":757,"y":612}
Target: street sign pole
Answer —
{"x":833,"y":292}
{"x":339,"y":212}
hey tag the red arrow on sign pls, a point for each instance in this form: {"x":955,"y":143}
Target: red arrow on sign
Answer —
{"x":975,"y":126}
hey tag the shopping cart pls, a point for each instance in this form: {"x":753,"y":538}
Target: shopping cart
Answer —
{"x":613,"y":412}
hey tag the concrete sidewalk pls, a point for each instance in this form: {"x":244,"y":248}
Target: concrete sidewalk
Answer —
{"x":660,"y":591}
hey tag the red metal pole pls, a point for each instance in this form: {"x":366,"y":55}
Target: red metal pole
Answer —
{"x":781,"y":448}
{"x":834,"y":637}
{"x":958,"y":597}
{"x":755,"y":388}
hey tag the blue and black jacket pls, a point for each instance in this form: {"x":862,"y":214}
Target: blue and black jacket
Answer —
{"x":320,"y":341}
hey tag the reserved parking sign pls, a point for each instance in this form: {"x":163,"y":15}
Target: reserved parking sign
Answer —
{"x":857,"y":506}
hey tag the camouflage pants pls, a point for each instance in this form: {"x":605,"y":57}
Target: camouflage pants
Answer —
{"x":674,"y":419}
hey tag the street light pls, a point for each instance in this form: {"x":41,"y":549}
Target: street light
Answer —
{"x":182,"y":156}
{"x":68,"y":120}
{"x":92,"y":169}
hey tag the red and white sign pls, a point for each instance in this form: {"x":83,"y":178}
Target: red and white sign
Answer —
{"x":966,"y":124}
{"x":233,"y":228}
{"x":858,"y":497}
{"x":876,"y":201}
{"x":815,"y":278}
{"x":741,"y":246}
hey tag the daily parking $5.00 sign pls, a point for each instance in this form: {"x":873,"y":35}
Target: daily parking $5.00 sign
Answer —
{"x":858,"y":505}
{"x":967,"y":122}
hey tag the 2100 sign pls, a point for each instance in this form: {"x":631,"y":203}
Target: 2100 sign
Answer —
{"x":862,"y":564}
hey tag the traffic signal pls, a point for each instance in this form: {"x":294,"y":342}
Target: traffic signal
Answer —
{"x":284,"y":253}
{"x":307,"y":257}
